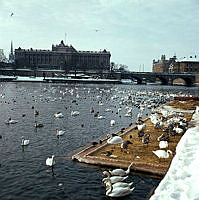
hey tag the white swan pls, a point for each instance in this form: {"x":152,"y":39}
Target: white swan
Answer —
{"x":24,"y":142}
{"x":114,"y":179}
{"x":50,"y":161}
{"x":120,"y":172}
{"x":115,"y":140}
{"x":163,"y":144}
{"x":141,"y":127}
{"x":119,"y":191}
{"x":162,"y":153}
{"x":74,"y":113}
{"x":100,"y":117}
{"x":11,"y":121}
{"x":58,"y":115}
{"x":112,"y":122}
{"x":59,"y":132}
{"x":118,"y":184}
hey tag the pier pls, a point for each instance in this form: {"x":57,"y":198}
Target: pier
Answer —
{"x":144,"y":161}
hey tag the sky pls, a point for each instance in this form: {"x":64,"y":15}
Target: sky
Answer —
{"x":134,"y":31}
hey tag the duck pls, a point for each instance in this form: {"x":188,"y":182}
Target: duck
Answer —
{"x":59,"y":132}
{"x":50,"y":161}
{"x":146,"y":139}
{"x":58,"y":115}
{"x":24,"y":142}
{"x":162,"y":153}
{"x":163,"y":144}
{"x":119,"y":172}
{"x":118,"y":191}
{"x":125,"y":144}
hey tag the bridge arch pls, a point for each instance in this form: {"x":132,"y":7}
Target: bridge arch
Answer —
{"x":183,"y":80}
{"x":163,"y":80}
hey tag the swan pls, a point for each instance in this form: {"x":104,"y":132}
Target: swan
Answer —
{"x":119,"y":172}
{"x":24,"y":142}
{"x":114,"y":179}
{"x":118,"y":184}
{"x":112,"y":122}
{"x":74,"y":113}
{"x":50,"y":161}
{"x":162,"y":153}
{"x":141,"y":127}
{"x":163,"y":144}
{"x":38,"y":125}
{"x":119,"y":191}
{"x":58,"y":115}
{"x":59,"y":132}
{"x":100,"y":117}
{"x":11,"y":121}
{"x":115,"y":140}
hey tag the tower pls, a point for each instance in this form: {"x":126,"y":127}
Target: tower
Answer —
{"x":11,"y":55}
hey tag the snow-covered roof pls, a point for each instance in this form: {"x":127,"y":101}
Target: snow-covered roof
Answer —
{"x":188,"y":59}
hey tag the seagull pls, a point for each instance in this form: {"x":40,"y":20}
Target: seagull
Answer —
{"x":11,"y":14}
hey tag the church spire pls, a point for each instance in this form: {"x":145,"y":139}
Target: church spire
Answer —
{"x":11,"y":50}
{"x":11,"y":55}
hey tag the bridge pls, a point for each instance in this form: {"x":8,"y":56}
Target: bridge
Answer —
{"x":190,"y":79}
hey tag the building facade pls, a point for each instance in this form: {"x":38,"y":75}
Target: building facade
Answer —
{"x":163,"y":64}
{"x":62,"y":57}
{"x":185,"y":65}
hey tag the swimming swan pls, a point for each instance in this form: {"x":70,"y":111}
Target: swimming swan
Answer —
{"x":50,"y":161}
{"x":59,"y":132}
{"x":58,"y":115}
{"x":11,"y":121}
{"x":114,"y":179}
{"x":119,"y":191}
{"x":119,"y":172}
{"x":24,"y":142}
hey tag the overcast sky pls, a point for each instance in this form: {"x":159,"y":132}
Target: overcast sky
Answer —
{"x":134,"y":31}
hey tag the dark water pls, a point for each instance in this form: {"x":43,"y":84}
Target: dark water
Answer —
{"x":23,"y":173}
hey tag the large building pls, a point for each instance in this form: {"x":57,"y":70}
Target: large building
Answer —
{"x":62,"y":57}
{"x":173,"y":65}
{"x":163,"y":64}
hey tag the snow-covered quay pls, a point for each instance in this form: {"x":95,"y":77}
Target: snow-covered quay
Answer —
{"x":182,"y":179}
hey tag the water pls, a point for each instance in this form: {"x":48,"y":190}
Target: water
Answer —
{"x":24,"y":174}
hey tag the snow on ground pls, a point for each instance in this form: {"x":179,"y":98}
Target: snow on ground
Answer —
{"x":26,"y":78}
{"x":182,"y":179}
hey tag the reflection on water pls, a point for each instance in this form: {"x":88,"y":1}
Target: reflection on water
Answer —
{"x":24,"y":174}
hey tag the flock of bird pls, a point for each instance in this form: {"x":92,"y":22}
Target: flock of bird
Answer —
{"x":123,"y":103}
{"x":114,"y":185}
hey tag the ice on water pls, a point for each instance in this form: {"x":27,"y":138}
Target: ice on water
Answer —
{"x":182,"y":179}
